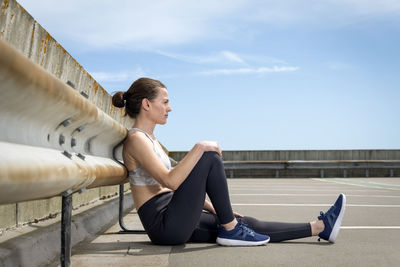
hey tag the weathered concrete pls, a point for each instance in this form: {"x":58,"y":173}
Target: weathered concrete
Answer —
{"x":39,"y":244}
{"x":37,"y":209}
{"x":8,"y":215}
{"x":19,"y":29}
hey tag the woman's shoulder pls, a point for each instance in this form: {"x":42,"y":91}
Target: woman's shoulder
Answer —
{"x":136,"y":139}
{"x":134,"y":135}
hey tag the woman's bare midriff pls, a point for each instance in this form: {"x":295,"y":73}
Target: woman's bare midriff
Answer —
{"x":143,"y":193}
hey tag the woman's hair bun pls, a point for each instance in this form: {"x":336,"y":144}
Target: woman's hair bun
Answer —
{"x":118,"y":99}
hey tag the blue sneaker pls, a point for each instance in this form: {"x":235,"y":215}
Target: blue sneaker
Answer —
{"x":333,"y":219}
{"x":241,"y":235}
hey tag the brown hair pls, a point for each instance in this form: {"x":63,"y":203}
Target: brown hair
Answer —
{"x":132,"y":99}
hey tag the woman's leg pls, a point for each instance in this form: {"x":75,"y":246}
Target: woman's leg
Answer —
{"x":184,"y":210}
{"x":206,"y":229}
{"x":279,"y":231}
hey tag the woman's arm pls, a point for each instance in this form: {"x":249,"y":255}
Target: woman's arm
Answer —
{"x":141,"y":148}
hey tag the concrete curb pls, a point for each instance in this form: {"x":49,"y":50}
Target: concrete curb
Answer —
{"x":42,"y":247}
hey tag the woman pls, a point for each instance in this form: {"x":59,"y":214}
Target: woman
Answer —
{"x":170,"y":201}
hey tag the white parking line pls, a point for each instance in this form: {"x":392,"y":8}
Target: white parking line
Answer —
{"x":313,"y":195}
{"x":370,"y":227}
{"x":314,"y":205}
{"x":301,"y":189}
{"x":360,"y":183}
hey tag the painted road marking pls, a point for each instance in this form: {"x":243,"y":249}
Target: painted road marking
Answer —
{"x":370,"y":227}
{"x":314,"y":195}
{"x":300,"y":189}
{"x":315,"y":205}
{"x":359,"y":183}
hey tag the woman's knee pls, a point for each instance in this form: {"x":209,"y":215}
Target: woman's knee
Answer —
{"x":211,"y":156}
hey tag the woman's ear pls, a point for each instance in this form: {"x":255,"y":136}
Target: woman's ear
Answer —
{"x":146,"y":104}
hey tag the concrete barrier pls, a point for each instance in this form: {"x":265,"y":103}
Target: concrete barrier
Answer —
{"x":308,"y":163}
{"x":312,"y":168}
{"x":21,"y":31}
{"x":349,"y":154}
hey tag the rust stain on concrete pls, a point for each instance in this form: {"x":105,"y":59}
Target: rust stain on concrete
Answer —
{"x":96,"y":87}
{"x":62,"y":48}
{"x":2,"y":33}
{"x":46,"y":42}
{"x":5,"y":4}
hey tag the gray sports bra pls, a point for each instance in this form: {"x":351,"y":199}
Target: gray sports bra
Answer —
{"x":140,"y":176}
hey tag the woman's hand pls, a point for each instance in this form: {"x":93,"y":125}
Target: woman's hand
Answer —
{"x":210,"y":146}
{"x":237,"y":214}
{"x":209,"y":206}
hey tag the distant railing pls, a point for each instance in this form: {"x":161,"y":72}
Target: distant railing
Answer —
{"x":280,"y":168}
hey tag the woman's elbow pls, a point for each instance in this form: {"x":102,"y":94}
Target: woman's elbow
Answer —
{"x":172,"y":186}
{"x":169,"y":183}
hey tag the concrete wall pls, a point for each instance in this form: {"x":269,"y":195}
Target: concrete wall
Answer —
{"x":19,"y":29}
{"x":307,"y":155}
{"x":385,"y":154}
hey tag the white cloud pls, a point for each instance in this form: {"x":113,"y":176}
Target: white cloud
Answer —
{"x":190,"y":58}
{"x":120,"y":76}
{"x":155,"y":24}
{"x":224,"y":57}
{"x":216,"y":57}
{"x":133,"y":24}
{"x":230,"y":56}
{"x":260,"y":70}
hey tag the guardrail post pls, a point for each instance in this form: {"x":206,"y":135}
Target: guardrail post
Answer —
{"x":121,"y":214}
{"x":277,"y":174}
{"x":65,"y":257}
{"x":391,"y":172}
{"x":344,"y":173}
{"x":366,"y":172}
{"x":322,"y":173}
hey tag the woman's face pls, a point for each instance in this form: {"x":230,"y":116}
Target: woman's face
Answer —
{"x":160,"y":107}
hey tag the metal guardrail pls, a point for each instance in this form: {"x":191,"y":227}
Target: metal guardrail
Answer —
{"x":53,"y":141}
{"x":345,"y":165}
{"x":52,"y":138}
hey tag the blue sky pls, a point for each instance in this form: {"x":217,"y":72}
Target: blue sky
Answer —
{"x":252,"y":75}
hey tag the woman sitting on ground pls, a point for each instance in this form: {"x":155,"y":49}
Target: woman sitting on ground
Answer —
{"x":171,"y":202}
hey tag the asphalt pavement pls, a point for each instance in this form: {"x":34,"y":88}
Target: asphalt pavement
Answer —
{"x":369,"y":234}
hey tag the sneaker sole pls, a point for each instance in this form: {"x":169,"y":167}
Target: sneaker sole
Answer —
{"x":338,"y":223}
{"x":233,"y":242}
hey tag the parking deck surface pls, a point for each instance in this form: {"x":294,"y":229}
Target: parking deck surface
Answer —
{"x":369,"y":235}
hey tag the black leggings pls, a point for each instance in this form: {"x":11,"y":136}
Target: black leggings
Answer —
{"x":177,"y":217}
